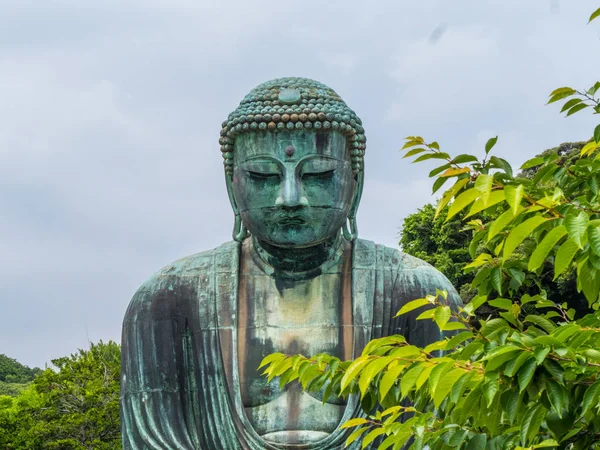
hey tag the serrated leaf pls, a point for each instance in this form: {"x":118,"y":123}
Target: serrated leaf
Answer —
{"x":496,"y":278}
{"x":564,"y":256}
{"x":545,"y":247}
{"x":453,"y":171}
{"x":594,"y":238}
{"x":590,"y":398}
{"x":577,"y":108}
{"x":576,"y":222}
{"x":408,"y":380}
{"x":492,"y":326}
{"x":547,"y":325}
{"x":533,"y":162}
{"x":442,"y":315}
{"x":353,"y":370}
{"x":477,"y":442}
{"x":388,"y":379}
{"x":432,"y":156}
{"x":490,"y":144}
{"x":514,"y":195}
{"x":479,"y":205}
{"x":355,"y":435}
{"x":437,"y":184}
{"x":414,"y":152}
{"x":561,"y":93}
{"x":526,"y":372}
{"x":438,"y":170}
{"x":557,"y":396}
{"x":532,"y":420}
{"x":354,"y":422}
{"x":500,"y":223}
{"x":271,"y":358}
{"x":461,"y":202}
{"x":503,"y":164}
{"x":412,"y":305}
{"x":458,"y":339}
{"x":444,"y":386}
{"x":370,"y":372}
{"x":520,"y":232}
{"x":372,"y":436}
{"x":449,"y":194}
{"x":570,"y":104}
{"x":483,"y":184}
{"x":464,"y":158}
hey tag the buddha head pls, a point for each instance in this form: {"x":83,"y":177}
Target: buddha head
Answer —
{"x":293,"y":154}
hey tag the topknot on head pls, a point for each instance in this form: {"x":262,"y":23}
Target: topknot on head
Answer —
{"x":293,"y":104}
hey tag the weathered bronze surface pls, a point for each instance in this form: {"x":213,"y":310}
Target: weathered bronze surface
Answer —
{"x":295,"y":279}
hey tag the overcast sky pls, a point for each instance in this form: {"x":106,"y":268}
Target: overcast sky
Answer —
{"x":110,"y":112}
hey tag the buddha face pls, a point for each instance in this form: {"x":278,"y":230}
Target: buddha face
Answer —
{"x":293,"y":188}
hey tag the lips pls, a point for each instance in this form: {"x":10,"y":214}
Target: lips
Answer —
{"x":291,"y":220}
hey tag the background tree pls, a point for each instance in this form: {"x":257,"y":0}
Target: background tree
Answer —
{"x":75,"y":407}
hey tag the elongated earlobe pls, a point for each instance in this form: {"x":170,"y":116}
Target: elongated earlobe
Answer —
{"x":240,"y":232}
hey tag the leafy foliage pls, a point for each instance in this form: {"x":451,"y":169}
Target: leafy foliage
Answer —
{"x":74,"y":407}
{"x":527,"y":379}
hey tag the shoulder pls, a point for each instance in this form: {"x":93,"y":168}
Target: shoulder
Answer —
{"x":175,"y":284}
{"x":404,"y":271}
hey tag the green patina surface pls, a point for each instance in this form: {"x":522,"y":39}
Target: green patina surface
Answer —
{"x":294,"y":280}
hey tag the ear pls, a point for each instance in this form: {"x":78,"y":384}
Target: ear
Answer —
{"x":239,"y":230}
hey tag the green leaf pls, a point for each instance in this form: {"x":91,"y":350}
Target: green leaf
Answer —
{"x":458,"y":339}
{"x":503,"y":164}
{"x":590,"y":398}
{"x":354,"y":422}
{"x":442,"y":315}
{"x":561,"y":93}
{"x":370,"y":372}
{"x":412,"y":305}
{"x":353,"y":371}
{"x":492,"y":326}
{"x":500,"y":223}
{"x":558,"y":397}
{"x":594,"y":238}
{"x":445,"y":385}
{"x":453,"y":171}
{"x":545,"y":247}
{"x":526,"y":373}
{"x":437,"y":184}
{"x":496,"y":279}
{"x":439,"y":169}
{"x":483,"y":184}
{"x":597,"y":134}
{"x":449,"y":194}
{"x":531,"y":423}
{"x":594,"y":15}
{"x":577,"y":108}
{"x":432,"y":156}
{"x":414,"y":152}
{"x":498,"y":360}
{"x":462,"y":201}
{"x":271,"y":358}
{"x":408,"y":380}
{"x":355,"y":435}
{"x":478,"y":205}
{"x":547,"y":325}
{"x":533,"y":162}
{"x":490,"y":144}
{"x":514,"y":195}
{"x":388,"y":380}
{"x":520,"y":232}
{"x":564,"y":256}
{"x":570,"y":104}
{"x":477,"y":442}
{"x":463,"y":158}
{"x":372,"y":436}
{"x":577,"y":222}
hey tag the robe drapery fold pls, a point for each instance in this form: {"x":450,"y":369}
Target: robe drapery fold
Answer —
{"x":180,"y":377}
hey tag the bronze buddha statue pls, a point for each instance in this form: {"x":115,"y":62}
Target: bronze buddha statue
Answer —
{"x":295,"y":279}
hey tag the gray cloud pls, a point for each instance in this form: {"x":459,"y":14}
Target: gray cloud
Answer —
{"x":109,"y":162}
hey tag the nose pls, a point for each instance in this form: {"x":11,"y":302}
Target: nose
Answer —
{"x":291,"y":191}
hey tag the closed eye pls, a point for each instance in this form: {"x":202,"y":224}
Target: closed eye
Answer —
{"x":262,"y":175}
{"x":325,"y":175}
